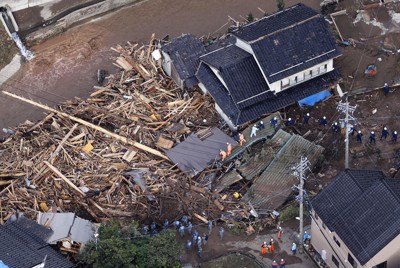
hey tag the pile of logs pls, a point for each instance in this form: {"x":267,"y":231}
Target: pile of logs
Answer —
{"x":104,"y":156}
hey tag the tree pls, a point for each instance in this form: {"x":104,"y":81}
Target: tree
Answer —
{"x":124,"y":246}
{"x":280,"y":4}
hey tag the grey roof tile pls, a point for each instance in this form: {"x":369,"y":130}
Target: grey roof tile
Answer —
{"x":185,"y":52}
{"x":351,"y":201}
{"x":21,"y":247}
{"x":289,"y":41}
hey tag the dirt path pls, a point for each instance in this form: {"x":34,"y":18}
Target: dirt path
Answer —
{"x":66,"y":65}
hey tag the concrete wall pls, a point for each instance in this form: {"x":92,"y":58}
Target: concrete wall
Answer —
{"x":75,"y":17}
{"x":16,"y":5}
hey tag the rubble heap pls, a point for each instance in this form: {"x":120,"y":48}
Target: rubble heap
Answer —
{"x":103,"y":157}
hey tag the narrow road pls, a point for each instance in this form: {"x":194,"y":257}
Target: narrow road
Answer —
{"x":65,"y":66}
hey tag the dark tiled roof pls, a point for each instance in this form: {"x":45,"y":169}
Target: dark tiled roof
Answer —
{"x":349,"y":204}
{"x":241,"y":74}
{"x":274,"y":22}
{"x":220,"y":43}
{"x":185,"y":52}
{"x":21,"y":248}
{"x":288,"y":52}
{"x":194,"y":153}
{"x":289,"y":41}
{"x":270,"y":103}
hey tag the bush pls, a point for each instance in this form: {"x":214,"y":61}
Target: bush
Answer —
{"x":280,"y":4}
{"x":290,"y":212}
{"x":124,"y":246}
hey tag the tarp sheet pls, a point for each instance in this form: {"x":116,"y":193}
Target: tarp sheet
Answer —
{"x":313,"y":99}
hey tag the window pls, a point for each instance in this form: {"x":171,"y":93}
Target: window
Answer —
{"x":323,"y":225}
{"x":381,"y":265}
{"x":337,"y":241}
{"x":285,"y":82}
{"x":335,"y":261}
{"x":323,"y":69}
{"x":316,"y":216}
{"x":308,"y":74}
{"x":300,"y":78}
{"x":351,"y":260}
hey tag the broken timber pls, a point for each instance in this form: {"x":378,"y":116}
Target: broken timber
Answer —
{"x":85,"y":123}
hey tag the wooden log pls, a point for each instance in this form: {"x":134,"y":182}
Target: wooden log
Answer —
{"x":73,"y":186}
{"x":200,"y":218}
{"x":57,"y":150}
{"x":93,"y":126}
{"x":218,"y":204}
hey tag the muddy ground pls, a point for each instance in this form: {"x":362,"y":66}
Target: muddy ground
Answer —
{"x":65,"y":67}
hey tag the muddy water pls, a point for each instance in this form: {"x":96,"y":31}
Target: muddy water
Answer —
{"x":66,"y":65}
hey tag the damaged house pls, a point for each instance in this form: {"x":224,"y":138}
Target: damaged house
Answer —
{"x":276,"y":61}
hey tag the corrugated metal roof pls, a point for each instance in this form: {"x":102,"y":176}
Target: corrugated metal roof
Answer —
{"x":66,"y":226}
{"x":271,"y":189}
{"x":227,"y":180}
{"x":194,"y":153}
{"x":255,"y":166}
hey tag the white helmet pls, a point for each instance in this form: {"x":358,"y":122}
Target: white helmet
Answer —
{"x":372,"y":132}
{"x":395,"y":132}
{"x":308,"y":114}
{"x":385,"y":128}
{"x":359,"y":131}
{"x":324,"y":117}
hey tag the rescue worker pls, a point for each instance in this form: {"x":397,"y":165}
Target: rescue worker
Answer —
{"x":274,"y":264}
{"x":335,"y":127}
{"x":205,"y":239}
{"x":294,"y":248}
{"x":254,"y":130}
{"x":323,"y":121}
{"x":260,"y":125}
{"x":372,"y":138}
{"x":352,"y":131}
{"x":190,"y":227}
{"x":282,"y":264}
{"x":182,"y":230}
{"x":228,"y":149}
{"x":306,"y":118}
{"x":210,"y":226}
{"x":385,"y":133}
{"x":290,"y":122}
{"x":188,"y":245}
{"x":222,"y":154}
{"x":280,"y":232}
{"x":271,"y":245}
{"x":221,"y":232}
{"x":394,"y":136}
{"x":359,"y":136}
{"x":264,"y":248}
{"x":273,"y":122}
{"x":241,"y":139}
{"x":386,"y":89}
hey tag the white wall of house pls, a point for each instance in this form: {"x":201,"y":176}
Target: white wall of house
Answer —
{"x":225,"y":117}
{"x":166,"y":63}
{"x":203,"y":88}
{"x":216,"y":72}
{"x":323,"y":239}
{"x":302,"y":76}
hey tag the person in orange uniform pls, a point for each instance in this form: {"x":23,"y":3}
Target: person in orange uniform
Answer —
{"x":279,"y":232}
{"x":264,"y":248}
{"x":229,"y":149}
{"x":271,"y":245}
{"x":241,"y":139}
{"x":222,"y":154}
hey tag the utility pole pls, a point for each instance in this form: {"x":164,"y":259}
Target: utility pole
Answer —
{"x":299,"y":170}
{"x":348,"y":111}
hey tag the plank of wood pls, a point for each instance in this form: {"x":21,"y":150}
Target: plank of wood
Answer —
{"x":218,"y":204}
{"x":93,"y":126}
{"x":200,"y":218}
{"x":57,"y":150}
{"x":73,"y":186}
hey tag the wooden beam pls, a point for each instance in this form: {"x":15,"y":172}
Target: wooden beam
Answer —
{"x":57,"y":150}
{"x":93,"y":126}
{"x":73,"y":186}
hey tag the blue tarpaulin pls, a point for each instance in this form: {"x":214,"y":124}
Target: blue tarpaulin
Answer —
{"x":313,"y":99}
{"x":3,"y":265}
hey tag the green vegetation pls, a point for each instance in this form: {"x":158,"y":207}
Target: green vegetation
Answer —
{"x":7,"y":48}
{"x":290,"y":212}
{"x":119,"y":246}
{"x":280,"y":4}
